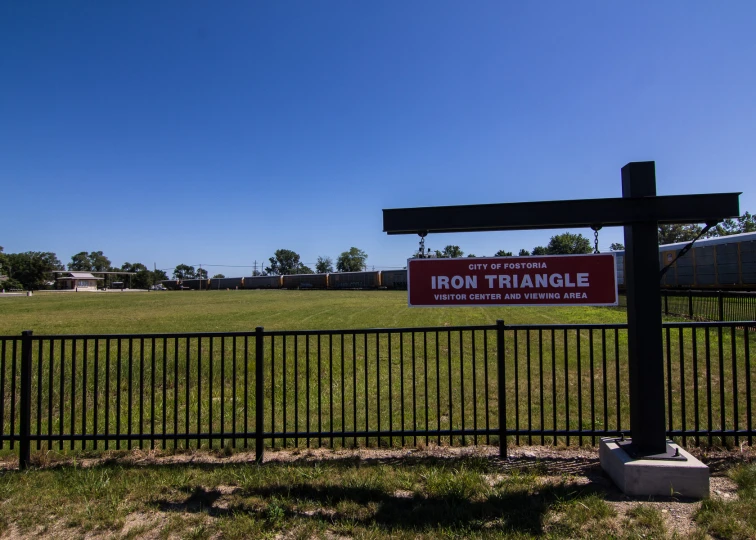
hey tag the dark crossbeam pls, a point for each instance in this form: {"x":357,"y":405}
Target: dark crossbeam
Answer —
{"x":561,"y":214}
{"x":640,"y":211}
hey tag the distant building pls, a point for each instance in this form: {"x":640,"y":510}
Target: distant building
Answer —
{"x":78,"y":281}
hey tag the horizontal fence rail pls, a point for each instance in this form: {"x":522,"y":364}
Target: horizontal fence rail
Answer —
{"x":489,"y":384}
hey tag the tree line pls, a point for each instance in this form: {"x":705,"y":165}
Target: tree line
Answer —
{"x":34,"y":270}
{"x":560,"y":244}
{"x":669,"y":234}
{"x":287,"y":262}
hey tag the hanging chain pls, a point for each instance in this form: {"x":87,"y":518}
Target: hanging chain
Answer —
{"x":596,"y":229}
{"x":421,"y":251}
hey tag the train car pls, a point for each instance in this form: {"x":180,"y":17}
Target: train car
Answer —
{"x":226,"y":283}
{"x":725,"y":262}
{"x":171,"y":284}
{"x":262,"y":282}
{"x":620,"y":261}
{"x":354,"y":280}
{"x":195,"y":284}
{"x":394,"y":279}
{"x":305,"y":281}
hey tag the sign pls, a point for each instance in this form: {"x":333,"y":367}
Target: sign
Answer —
{"x":550,"y":280}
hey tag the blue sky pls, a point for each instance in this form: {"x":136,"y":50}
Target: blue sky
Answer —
{"x":218,"y":132}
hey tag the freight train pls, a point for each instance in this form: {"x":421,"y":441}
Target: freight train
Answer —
{"x":727,"y":262}
{"x":387,"y":279}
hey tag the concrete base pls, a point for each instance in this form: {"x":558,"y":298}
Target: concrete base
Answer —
{"x":644,"y":477}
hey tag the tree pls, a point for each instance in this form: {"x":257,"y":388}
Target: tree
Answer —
{"x":324,"y":265}
{"x":99,"y":262}
{"x":201,"y":273}
{"x":523,"y":253}
{"x":617,"y":247}
{"x":744,"y":224}
{"x":686,"y":232}
{"x":7,"y":282}
{"x":471,"y":255}
{"x":184,"y":271}
{"x":89,"y":262}
{"x":80,"y":262}
{"x":540,"y":250}
{"x":302,"y":269}
{"x":129,"y":267}
{"x":351,"y":261}
{"x":503,"y":253}
{"x":218,"y":276}
{"x":285,"y":262}
{"x":159,"y":275}
{"x":677,"y":232}
{"x":567,"y":244}
{"x":451,"y":252}
{"x":33,"y":269}
{"x":142,"y":279}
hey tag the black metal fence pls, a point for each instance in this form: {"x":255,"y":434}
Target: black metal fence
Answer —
{"x":379,"y":387}
{"x":710,"y":305}
{"x":706,"y":305}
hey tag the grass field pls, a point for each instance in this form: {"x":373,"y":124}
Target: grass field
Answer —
{"x":226,"y":311}
{"x":441,"y":380}
{"x":466,"y":497}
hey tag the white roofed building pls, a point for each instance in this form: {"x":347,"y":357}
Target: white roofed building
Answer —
{"x":78,"y":281}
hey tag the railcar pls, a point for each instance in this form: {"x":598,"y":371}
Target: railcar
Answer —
{"x":195,"y":284}
{"x":262,"y":282}
{"x":394,"y":279}
{"x":726,"y":262}
{"x":226,"y":283}
{"x":171,"y":284}
{"x":305,"y":281}
{"x":354,"y":280}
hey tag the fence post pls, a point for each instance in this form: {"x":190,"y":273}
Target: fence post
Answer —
{"x":502,"y":389}
{"x":720,"y":297}
{"x":24,"y":450}
{"x":690,"y":304}
{"x":259,"y":397}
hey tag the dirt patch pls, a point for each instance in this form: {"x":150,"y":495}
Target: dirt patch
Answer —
{"x":143,"y":525}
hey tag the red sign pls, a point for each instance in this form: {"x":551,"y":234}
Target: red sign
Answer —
{"x":586,"y":280}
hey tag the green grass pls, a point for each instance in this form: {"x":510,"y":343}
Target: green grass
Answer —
{"x":384,"y":386}
{"x":408,"y":498}
{"x":226,"y":311}
{"x":411,"y":498}
{"x":732,"y":519}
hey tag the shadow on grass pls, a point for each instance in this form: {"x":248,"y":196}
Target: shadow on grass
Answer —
{"x":516,"y":511}
{"x":516,"y":508}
